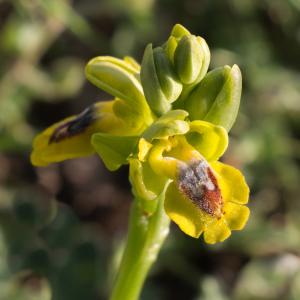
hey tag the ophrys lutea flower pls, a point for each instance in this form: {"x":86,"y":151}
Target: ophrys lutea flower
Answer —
{"x":127,"y":114}
{"x":168,"y":120}
{"x":203,"y":194}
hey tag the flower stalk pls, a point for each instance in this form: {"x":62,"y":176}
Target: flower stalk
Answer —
{"x":146,"y":235}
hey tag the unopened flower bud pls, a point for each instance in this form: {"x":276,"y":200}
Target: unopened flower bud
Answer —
{"x":160,"y":83}
{"x":216,"y":99}
{"x":116,"y":77}
{"x":189,"y":54}
{"x":179,"y":31}
{"x":120,"y":78}
{"x":188,"y":59}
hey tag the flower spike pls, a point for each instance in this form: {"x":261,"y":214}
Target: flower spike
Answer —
{"x":169,"y":121}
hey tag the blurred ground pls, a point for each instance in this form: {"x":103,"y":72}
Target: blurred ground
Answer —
{"x":60,"y":224}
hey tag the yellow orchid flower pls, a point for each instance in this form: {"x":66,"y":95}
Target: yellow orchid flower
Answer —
{"x":205,"y":195}
{"x":128,"y":114}
{"x":71,"y":137}
{"x":169,"y":120}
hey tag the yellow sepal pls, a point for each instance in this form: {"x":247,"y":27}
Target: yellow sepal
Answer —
{"x":209,"y":139}
{"x":46,"y":151}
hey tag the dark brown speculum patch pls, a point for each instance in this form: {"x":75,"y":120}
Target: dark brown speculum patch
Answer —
{"x":198,"y":183}
{"x":75,"y":126}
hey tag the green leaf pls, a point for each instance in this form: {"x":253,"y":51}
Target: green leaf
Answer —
{"x":113,"y":150}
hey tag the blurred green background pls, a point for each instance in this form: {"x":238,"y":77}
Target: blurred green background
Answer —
{"x":60,"y":225}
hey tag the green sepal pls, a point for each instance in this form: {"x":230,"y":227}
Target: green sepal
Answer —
{"x":168,"y":79}
{"x":116,"y":77}
{"x":153,"y":93}
{"x":179,"y":31}
{"x":206,"y":58}
{"x":216,"y":98}
{"x":188,"y":59}
{"x":146,"y":185}
{"x":160,"y":83}
{"x":170,"y":48}
{"x":172,"y":123}
{"x":120,"y":79}
{"x":114,"y":150}
{"x":133,"y":63}
{"x":137,"y":116}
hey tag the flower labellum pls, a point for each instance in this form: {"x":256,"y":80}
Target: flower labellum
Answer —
{"x":74,"y":127}
{"x":198,"y":182}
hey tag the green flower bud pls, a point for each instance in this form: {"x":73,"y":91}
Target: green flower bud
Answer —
{"x":191,"y":59}
{"x":120,"y":78}
{"x":133,"y":63}
{"x":216,"y":98}
{"x":179,"y":31}
{"x":116,"y":77}
{"x":170,"y":46}
{"x":160,"y":83}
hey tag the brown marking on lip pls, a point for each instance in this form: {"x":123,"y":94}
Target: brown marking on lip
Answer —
{"x":75,"y":126}
{"x":199,"y":184}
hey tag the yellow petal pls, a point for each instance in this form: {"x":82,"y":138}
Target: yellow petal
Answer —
{"x":144,"y":148}
{"x":182,"y":150}
{"x":162,"y":165}
{"x":137,"y":176}
{"x":209,"y":139}
{"x":70,"y":138}
{"x":167,"y":155}
{"x":236,"y":215}
{"x":217,"y":231}
{"x":181,"y":210}
{"x":232,"y":183}
{"x":146,"y":185}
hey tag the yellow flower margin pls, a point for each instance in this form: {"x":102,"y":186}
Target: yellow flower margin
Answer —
{"x":207,"y":141}
{"x":78,"y":145}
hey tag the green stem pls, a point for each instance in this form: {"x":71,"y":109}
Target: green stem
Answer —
{"x":146,"y":235}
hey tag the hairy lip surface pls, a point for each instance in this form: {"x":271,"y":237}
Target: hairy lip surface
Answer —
{"x":74,"y":127}
{"x":199,"y":184}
